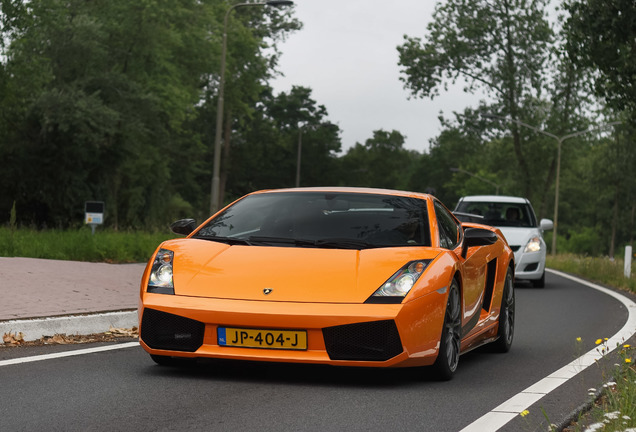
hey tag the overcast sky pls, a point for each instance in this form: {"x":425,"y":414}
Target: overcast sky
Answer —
{"x":346,"y":53}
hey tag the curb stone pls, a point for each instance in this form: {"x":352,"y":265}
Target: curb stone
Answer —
{"x":34,"y":329}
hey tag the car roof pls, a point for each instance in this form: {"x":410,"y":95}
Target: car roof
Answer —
{"x":495,"y":198}
{"x":349,"y":190}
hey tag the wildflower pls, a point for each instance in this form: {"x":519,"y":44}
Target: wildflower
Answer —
{"x":524,"y":413}
{"x":626,"y":417}
{"x":609,"y":384}
{"x":612,"y":415}
{"x":578,"y":339}
{"x":599,"y":341}
{"x":628,"y":360}
{"x":627,"y":346}
{"x":595,"y":427}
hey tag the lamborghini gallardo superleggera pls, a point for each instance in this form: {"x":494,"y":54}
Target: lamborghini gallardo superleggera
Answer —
{"x":338,"y":276}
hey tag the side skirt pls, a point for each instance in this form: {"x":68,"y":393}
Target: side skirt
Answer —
{"x":482,"y":337}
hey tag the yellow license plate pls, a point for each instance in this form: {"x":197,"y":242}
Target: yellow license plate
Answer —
{"x":259,"y":338}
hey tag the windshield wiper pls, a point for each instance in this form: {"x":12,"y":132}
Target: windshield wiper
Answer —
{"x":227,"y":240}
{"x":342,"y":243}
{"x":345,"y":243}
{"x":279,"y":240}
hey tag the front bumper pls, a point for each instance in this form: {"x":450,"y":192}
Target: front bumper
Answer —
{"x":380,"y":335}
{"x":529,"y":265}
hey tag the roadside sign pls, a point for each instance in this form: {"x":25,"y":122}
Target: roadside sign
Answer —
{"x":94,"y":214}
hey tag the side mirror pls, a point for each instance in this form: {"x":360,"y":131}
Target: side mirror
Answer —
{"x":546,"y":224}
{"x":183,"y":226}
{"x":477,"y":237}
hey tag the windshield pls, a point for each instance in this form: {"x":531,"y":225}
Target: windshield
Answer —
{"x":500,"y":214}
{"x":319,"y":219}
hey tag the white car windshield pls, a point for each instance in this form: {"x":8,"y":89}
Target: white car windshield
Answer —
{"x":500,"y":214}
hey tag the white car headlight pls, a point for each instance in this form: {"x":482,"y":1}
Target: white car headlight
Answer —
{"x":534,"y":245}
{"x":399,"y":285}
{"x":161,"y":273}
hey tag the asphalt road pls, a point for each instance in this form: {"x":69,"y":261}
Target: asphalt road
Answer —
{"x":124,"y":390}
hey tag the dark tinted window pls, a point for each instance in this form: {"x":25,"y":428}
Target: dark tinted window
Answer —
{"x":500,"y":214}
{"x":449,"y":230}
{"x":376,"y":220}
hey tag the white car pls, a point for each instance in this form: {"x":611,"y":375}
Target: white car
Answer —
{"x":515,"y":217}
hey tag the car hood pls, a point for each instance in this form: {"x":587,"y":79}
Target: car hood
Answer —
{"x":519,"y":236}
{"x":216,"y":270}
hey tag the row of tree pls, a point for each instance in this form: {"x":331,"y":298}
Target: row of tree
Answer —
{"x":115,"y":101}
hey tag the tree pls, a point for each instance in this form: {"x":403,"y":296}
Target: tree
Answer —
{"x":102,"y":100}
{"x":251,"y":60}
{"x":499,"y":47}
{"x":381,"y":162}
{"x":601,"y":36}
{"x":266,"y":149}
{"x":613,"y":158}
{"x":98,"y":93}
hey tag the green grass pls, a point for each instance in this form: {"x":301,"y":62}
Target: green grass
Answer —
{"x":597,"y":269}
{"x":80,"y":245}
{"x":615,"y":410}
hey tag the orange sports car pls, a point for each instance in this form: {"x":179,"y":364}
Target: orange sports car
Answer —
{"x":339,"y":276}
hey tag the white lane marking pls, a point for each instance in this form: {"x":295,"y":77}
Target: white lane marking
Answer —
{"x":67,"y":354}
{"x":504,"y":413}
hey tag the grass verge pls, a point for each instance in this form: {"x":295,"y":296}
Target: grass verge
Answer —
{"x":80,"y":245}
{"x":597,"y":269}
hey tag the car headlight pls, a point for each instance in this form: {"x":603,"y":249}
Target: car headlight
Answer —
{"x":161,"y":273}
{"x":398,"y":286}
{"x":534,"y":245}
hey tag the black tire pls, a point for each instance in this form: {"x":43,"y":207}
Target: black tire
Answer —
{"x":539,"y":283}
{"x":448,"y":357}
{"x":506,"y":330}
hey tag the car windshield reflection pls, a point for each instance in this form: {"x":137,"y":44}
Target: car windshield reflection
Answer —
{"x":319,"y":219}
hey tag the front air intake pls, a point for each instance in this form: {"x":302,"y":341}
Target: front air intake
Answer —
{"x":369,"y":341}
{"x":165,"y":331}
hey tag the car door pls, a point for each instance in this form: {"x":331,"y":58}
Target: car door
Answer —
{"x":474,"y":266}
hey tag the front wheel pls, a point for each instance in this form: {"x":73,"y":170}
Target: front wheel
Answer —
{"x":449,"y":347}
{"x":506,"y":316}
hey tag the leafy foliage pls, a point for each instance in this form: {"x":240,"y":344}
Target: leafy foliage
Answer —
{"x":100,"y":100}
{"x":381,"y":162}
{"x":601,"y":36}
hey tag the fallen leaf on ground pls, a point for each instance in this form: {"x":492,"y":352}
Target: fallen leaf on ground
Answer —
{"x":13,"y":340}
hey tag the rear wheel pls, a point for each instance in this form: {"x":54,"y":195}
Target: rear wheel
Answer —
{"x":506,"y":316}
{"x":448,"y":356}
